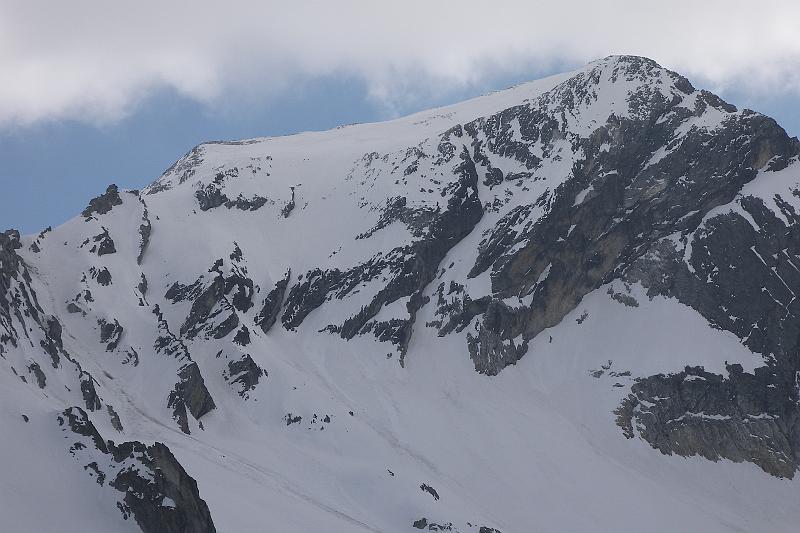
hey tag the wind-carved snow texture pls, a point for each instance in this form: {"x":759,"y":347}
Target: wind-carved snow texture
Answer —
{"x":315,"y":332}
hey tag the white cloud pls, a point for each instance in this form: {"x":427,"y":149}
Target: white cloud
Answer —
{"x":94,"y":60}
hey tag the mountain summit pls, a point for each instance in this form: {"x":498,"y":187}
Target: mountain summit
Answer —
{"x":567,"y":306}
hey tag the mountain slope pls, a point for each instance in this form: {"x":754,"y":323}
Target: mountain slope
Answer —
{"x":546,"y":308}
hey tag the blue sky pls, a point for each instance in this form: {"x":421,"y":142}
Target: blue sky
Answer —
{"x":98,"y":93}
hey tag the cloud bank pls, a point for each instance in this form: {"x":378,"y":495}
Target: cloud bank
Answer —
{"x":95,"y":60}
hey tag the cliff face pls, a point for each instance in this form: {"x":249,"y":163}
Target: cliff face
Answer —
{"x":481,"y":300}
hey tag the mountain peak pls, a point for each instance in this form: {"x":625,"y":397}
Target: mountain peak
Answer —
{"x":633,"y":65}
{"x":615,"y":85}
{"x":589,"y":277}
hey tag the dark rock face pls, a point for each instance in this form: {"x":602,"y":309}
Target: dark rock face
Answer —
{"x":226,"y":327}
{"x":18,"y":304}
{"x":248,"y":204}
{"x":78,"y":422}
{"x":157,"y":491}
{"x":244,"y":374}
{"x":423,"y":523}
{"x":179,"y":292}
{"x":622,"y":197}
{"x":397,"y":210}
{"x":456,"y":308}
{"x":145,"y":228}
{"x":142,"y":285}
{"x":167,"y":343}
{"x":105,"y":244}
{"x":289,"y":207}
{"x":242,"y":337}
{"x":147,"y":500}
{"x":638,"y":183}
{"x":52,"y":343}
{"x":116,"y":423}
{"x":755,"y":300}
{"x":110,"y":332}
{"x":104,"y":277}
{"x":430,"y":490}
{"x":194,"y":392}
{"x":229,"y":293}
{"x":741,"y":417}
{"x":10,"y":267}
{"x":309,"y":294}
{"x":9,"y":243}
{"x":103,"y":203}
{"x":184,"y":167}
{"x":409,"y":269}
{"x":89,"y":393}
{"x":36,"y":370}
{"x":190,"y":392}
{"x":272,"y":304}
{"x":494,"y":347}
{"x":212,"y":195}
{"x":627,"y":205}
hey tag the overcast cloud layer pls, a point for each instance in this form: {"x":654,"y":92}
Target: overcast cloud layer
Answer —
{"x":94,"y":60}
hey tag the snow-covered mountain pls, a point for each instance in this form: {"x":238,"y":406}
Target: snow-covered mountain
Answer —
{"x":567,"y":306}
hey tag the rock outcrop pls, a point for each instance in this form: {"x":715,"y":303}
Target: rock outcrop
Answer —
{"x":156,"y":490}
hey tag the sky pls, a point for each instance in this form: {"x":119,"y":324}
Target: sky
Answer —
{"x":97,"y":92}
